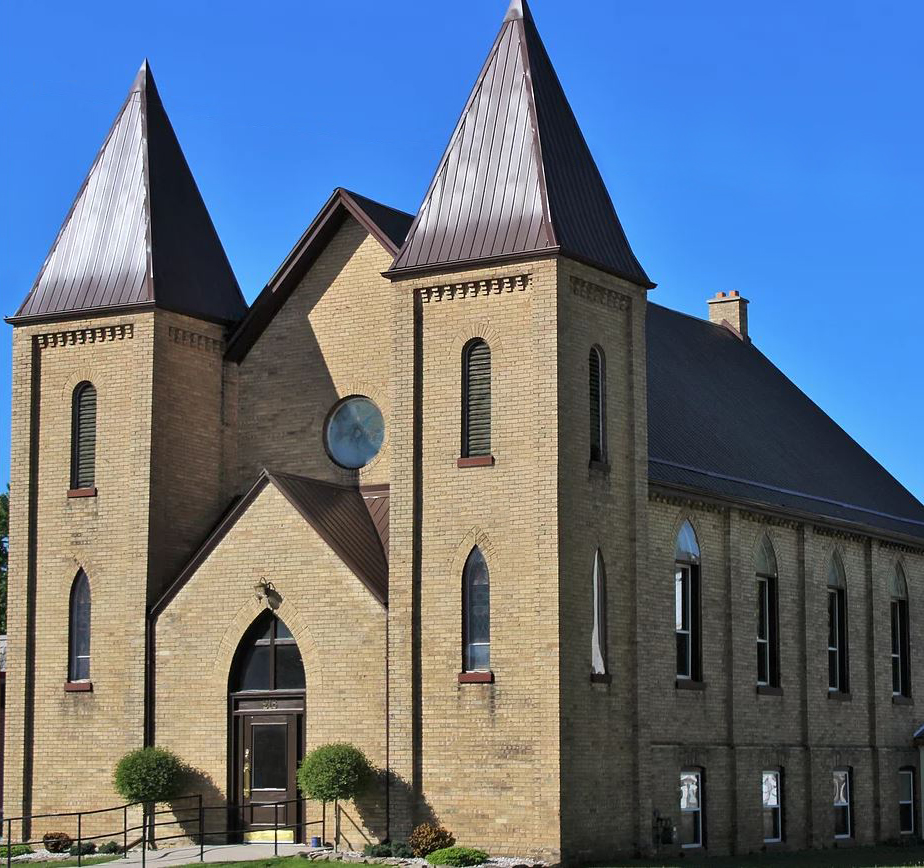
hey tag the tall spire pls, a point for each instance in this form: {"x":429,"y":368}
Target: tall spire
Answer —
{"x":517,"y":177}
{"x":138,"y":232}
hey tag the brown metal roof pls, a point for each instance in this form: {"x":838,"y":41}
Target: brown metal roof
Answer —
{"x":517,"y":177}
{"x":340,"y":516}
{"x":388,"y":225}
{"x":138,"y":232}
{"x":378,"y":502}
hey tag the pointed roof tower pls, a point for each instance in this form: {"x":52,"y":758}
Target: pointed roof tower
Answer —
{"x":517,"y":177}
{"x":138,"y":233}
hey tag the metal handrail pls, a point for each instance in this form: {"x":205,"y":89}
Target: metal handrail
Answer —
{"x":149,"y":824}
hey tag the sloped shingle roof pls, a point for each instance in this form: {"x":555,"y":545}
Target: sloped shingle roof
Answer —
{"x":722,"y":418}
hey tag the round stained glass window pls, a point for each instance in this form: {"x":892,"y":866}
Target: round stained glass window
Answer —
{"x":355,"y":432}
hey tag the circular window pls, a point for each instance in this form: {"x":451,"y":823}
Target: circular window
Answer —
{"x":354,"y":433}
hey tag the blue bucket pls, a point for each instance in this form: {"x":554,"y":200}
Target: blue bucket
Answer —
{"x":315,"y":841}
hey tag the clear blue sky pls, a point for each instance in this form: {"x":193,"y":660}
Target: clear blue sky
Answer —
{"x":774,"y":148}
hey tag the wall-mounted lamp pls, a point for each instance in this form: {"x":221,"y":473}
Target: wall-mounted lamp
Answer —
{"x":264,"y":590}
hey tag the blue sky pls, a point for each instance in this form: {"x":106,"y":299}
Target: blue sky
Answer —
{"x":772,"y":148}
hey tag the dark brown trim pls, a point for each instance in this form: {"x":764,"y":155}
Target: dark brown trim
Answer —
{"x":476,"y":678}
{"x":476,"y":461}
{"x":82,"y":313}
{"x":466,"y":264}
{"x":78,"y":686}
{"x":81,"y":492}
{"x":601,"y":678}
{"x":902,"y":700}
{"x":768,"y":690}
{"x":839,"y":696}
{"x":689,"y":684}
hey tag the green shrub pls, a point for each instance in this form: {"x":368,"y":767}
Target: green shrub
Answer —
{"x":84,"y":848}
{"x":57,"y":842}
{"x":428,"y":837}
{"x":334,"y":771}
{"x":110,"y":847}
{"x":458,"y":857}
{"x":17,"y":850}
{"x":398,"y":850}
{"x":150,"y":774}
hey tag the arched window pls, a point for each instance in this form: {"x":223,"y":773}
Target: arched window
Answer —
{"x":597,"y":378}
{"x":78,"y":668}
{"x":768,"y":643}
{"x":267,"y":658}
{"x":688,"y":628}
{"x":598,"y":651}
{"x":837,"y":626}
{"x":476,"y":399}
{"x":900,"y":653}
{"x":476,"y":617}
{"x":83,"y":436}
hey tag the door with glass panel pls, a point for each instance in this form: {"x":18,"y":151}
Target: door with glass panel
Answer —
{"x":267,"y":693}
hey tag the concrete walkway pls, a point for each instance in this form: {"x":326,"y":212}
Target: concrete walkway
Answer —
{"x":213,"y":853}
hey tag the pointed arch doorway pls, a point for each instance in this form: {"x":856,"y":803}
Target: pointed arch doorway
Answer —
{"x":266,"y":693}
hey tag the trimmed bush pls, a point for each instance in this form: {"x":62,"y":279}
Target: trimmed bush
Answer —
{"x":57,"y":842}
{"x":458,"y":857}
{"x":84,"y":848}
{"x":17,"y":850}
{"x":110,"y":847}
{"x":150,"y":774}
{"x":428,"y":837}
{"x":334,"y":771}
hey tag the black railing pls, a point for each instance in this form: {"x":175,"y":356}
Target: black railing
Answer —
{"x":194,"y":814}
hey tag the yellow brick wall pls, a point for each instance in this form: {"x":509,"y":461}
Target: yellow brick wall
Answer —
{"x":486,"y":754}
{"x":331,"y":339}
{"x":78,"y":736}
{"x":340,"y":630}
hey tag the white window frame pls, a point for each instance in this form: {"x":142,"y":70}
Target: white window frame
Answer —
{"x":683,"y":603}
{"x":763,"y":642}
{"x":846,"y":804}
{"x":910,"y":803}
{"x":836,"y":647}
{"x":698,"y":810}
{"x":778,"y":808}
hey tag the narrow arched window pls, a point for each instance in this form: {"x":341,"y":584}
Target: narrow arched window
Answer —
{"x":688,"y":628}
{"x":837,"y":626}
{"x":79,"y":642}
{"x":598,"y":651}
{"x":476,"y":614}
{"x":901,"y":649}
{"x":476,"y":399}
{"x":83,"y":436}
{"x":597,"y":383}
{"x":768,"y":650}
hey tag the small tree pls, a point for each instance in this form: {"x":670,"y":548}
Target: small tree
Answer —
{"x":333,"y":772}
{"x":149,"y":775}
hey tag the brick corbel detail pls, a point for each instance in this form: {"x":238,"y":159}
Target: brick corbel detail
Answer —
{"x":76,"y":337}
{"x":475,"y":288}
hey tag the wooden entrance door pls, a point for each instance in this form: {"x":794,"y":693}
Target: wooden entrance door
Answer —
{"x":268,"y":757}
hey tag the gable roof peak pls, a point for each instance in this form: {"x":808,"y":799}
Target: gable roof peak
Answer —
{"x":138,"y":232}
{"x":517,"y":178}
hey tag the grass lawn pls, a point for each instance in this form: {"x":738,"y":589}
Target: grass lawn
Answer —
{"x":856,"y":857}
{"x":66,"y":863}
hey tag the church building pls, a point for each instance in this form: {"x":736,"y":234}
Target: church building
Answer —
{"x":583,"y":576}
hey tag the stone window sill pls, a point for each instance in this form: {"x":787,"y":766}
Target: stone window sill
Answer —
{"x":902,"y":700}
{"x":81,"y":492}
{"x":598,"y":466}
{"x":476,"y":461}
{"x":601,"y":678}
{"x":768,"y":690}
{"x":78,"y":686}
{"x":689,"y":684}
{"x":838,"y":696}
{"x":476,"y":678}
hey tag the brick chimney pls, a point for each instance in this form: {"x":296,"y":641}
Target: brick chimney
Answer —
{"x":730,"y":309}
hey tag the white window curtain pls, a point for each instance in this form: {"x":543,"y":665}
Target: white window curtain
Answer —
{"x":598,"y":636}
